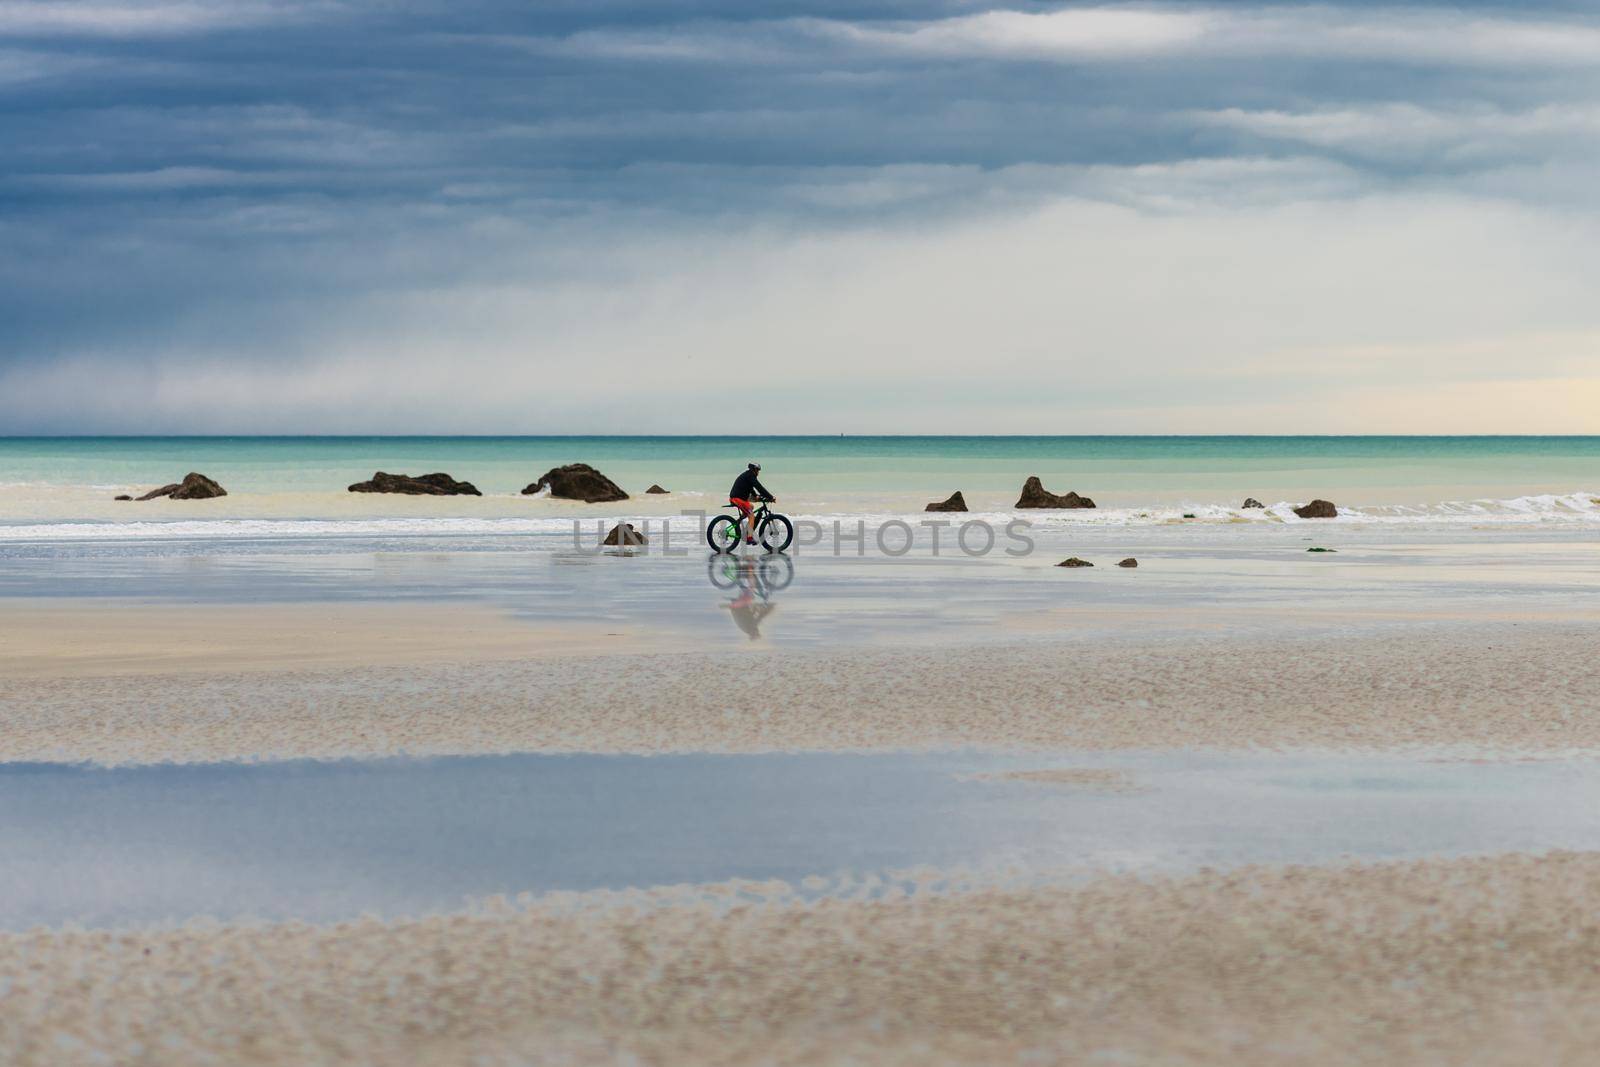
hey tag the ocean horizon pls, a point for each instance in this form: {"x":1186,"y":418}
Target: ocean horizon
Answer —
{"x":1392,"y":477}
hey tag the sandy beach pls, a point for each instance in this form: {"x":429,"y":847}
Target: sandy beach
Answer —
{"x":1528,"y":686}
{"x":56,"y":642}
{"x":1226,"y":808}
{"x":1480,"y":961}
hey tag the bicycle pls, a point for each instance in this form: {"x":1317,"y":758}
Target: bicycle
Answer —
{"x":774,"y":531}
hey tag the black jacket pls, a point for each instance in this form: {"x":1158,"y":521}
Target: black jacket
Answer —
{"x":743,"y":486}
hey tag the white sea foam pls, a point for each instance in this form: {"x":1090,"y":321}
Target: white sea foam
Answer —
{"x":1549,"y":508}
{"x":1545,"y":509}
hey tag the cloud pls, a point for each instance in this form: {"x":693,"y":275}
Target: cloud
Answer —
{"x":1407,"y":129}
{"x":1074,"y":316}
{"x":1118,"y":32}
{"x":51,"y":18}
{"x":490,"y":215}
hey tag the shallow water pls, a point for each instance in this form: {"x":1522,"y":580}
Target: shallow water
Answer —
{"x":324,"y":841}
{"x":1514,"y":479}
{"x":812,"y":597}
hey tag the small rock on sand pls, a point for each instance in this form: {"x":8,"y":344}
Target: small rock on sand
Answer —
{"x":656,"y":489}
{"x":122,"y":496}
{"x":1252,"y":502}
{"x":1317,"y":509}
{"x":1074,"y":562}
{"x":1035,"y":495}
{"x":956,"y":502}
{"x":1129,"y":562}
{"x":624,"y":534}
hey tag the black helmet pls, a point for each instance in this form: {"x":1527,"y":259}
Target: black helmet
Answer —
{"x":755,"y":466}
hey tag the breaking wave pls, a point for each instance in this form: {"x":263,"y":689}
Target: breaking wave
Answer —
{"x":1547,"y":509}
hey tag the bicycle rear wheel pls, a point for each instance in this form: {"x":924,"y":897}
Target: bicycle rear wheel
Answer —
{"x":722,"y":534}
{"x":776,"y":533}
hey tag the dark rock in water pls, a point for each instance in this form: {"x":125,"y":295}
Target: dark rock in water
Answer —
{"x":957,"y":502}
{"x":657,"y":489}
{"x":624,"y":534}
{"x":123,"y":496}
{"x":1252,"y":502}
{"x":578,"y":481}
{"x":193,"y":487}
{"x":1074,"y":562}
{"x":1188,"y":514}
{"x":197,"y":487}
{"x":1034,"y":495}
{"x":1322,"y":550}
{"x":165,"y":490}
{"x":1129,"y":562}
{"x":1317,"y":509}
{"x":421,"y":485}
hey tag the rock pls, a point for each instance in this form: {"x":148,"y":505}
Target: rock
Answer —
{"x":197,"y":487}
{"x":193,"y":487}
{"x":1322,"y":550}
{"x":1129,"y":562}
{"x":624,"y":534}
{"x":1074,"y":562}
{"x":1034,"y":495}
{"x":657,"y":489}
{"x":957,"y":502}
{"x":578,"y":481}
{"x":123,"y":496}
{"x":1188,"y":514}
{"x":1317,"y":509}
{"x":1252,"y":502}
{"x":421,"y":485}
{"x":165,"y":490}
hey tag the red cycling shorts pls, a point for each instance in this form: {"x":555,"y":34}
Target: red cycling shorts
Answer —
{"x":744,"y":506}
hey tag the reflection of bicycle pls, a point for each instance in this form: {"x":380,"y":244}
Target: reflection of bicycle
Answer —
{"x":772,"y":574}
{"x":774,"y":531}
{"x":754,"y":583}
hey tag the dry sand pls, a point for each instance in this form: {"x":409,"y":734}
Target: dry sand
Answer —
{"x":1498,"y":688}
{"x":1476,"y":961}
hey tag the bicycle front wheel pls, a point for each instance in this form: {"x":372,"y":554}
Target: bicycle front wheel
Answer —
{"x":776,"y":573}
{"x":723,"y":533}
{"x":776,"y":533}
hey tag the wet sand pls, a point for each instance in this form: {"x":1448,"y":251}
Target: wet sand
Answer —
{"x":1496,"y":688}
{"x":1460,"y":961}
{"x":1476,"y":961}
{"x":61,"y":638}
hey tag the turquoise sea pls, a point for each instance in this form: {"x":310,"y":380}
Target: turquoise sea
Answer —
{"x":72,"y":479}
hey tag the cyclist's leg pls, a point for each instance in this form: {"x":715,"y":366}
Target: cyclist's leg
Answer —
{"x":746,"y":527}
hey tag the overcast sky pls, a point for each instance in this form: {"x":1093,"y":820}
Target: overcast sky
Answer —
{"x":807,"y":217}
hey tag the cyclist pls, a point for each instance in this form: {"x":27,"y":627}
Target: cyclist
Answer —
{"x":748,"y":487}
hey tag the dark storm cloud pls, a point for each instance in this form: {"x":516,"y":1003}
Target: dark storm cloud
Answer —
{"x":212,"y":177}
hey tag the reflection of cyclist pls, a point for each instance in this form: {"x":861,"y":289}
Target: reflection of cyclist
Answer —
{"x":747,"y":609}
{"x":748,"y":487}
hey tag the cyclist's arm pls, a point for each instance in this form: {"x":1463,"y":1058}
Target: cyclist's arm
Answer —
{"x":766,"y":494}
